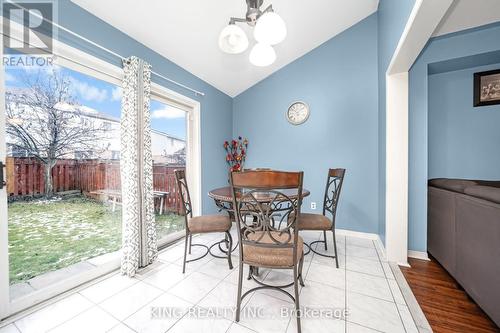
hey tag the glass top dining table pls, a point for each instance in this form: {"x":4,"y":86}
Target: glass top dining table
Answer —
{"x":224,"y":195}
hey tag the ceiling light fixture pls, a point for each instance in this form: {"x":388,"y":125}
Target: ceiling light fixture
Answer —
{"x":270,"y":29}
{"x":233,"y":39}
{"x":262,"y":55}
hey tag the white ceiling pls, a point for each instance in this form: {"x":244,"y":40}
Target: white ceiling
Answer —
{"x":465,"y":14}
{"x":186,"y":32}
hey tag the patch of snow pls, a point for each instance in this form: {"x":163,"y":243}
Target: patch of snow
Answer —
{"x":47,"y":201}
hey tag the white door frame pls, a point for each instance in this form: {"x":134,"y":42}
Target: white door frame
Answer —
{"x":423,"y":20}
{"x":4,"y":255}
{"x":75,"y":59}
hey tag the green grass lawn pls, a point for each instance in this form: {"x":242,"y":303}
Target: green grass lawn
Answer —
{"x":49,"y":235}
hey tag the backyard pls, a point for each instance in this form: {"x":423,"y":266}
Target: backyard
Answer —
{"x":46,"y":235}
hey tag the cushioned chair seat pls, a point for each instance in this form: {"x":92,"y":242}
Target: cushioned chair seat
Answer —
{"x":314,"y":222}
{"x":268,"y":256}
{"x":209,"y":223}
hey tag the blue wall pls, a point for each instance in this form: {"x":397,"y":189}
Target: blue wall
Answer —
{"x":392,"y":18}
{"x":457,"y":47}
{"x":216,"y":107}
{"x":339,"y":82}
{"x":464,"y":140}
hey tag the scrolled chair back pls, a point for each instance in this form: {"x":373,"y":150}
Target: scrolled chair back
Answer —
{"x":266,"y":204}
{"x":182,"y":188}
{"x":332,"y":190}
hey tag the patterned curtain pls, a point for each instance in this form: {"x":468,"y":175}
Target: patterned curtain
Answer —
{"x":139,"y":247}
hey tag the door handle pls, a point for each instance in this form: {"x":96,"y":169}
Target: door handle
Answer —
{"x":2,"y":181}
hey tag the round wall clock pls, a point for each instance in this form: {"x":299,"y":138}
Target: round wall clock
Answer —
{"x":297,"y":113}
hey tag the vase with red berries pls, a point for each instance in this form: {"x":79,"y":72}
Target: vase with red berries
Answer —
{"x":236,"y":153}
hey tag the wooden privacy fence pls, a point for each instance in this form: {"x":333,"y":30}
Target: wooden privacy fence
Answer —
{"x":26,"y":178}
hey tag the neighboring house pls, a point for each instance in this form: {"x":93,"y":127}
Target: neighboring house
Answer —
{"x":165,"y":148}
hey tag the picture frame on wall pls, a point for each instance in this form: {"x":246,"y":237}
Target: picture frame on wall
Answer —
{"x":487,"y":88}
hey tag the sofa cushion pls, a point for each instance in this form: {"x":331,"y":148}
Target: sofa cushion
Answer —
{"x":492,"y":183}
{"x":456,"y":185}
{"x":484,"y":192}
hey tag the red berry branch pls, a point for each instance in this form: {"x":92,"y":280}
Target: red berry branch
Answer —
{"x":236,"y":153}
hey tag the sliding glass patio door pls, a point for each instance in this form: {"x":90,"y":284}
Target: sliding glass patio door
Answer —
{"x":61,"y":149}
{"x":60,"y":210}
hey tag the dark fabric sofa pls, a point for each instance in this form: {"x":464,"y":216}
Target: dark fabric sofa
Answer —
{"x":464,"y":236}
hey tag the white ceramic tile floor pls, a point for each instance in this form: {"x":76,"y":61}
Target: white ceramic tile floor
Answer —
{"x":193,"y":324}
{"x":53,"y":315}
{"x":121,"y":328}
{"x":11,"y":328}
{"x":107,"y":288}
{"x":363,"y":286}
{"x":368,"y":285}
{"x":130,"y":300}
{"x":166,"y":277}
{"x":237,"y":328}
{"x":142,"y":321}
{"x":94,"y":320}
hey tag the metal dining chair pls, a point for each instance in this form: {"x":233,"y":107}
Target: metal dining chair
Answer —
{"x":201,"y":225}
{"x":308,"y":221}
{"x":265,"y":203}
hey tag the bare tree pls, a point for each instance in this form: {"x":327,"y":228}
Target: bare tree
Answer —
{"x":45,"y":121}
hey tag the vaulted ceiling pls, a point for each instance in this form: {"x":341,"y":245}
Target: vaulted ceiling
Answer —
{"x":186,"y":32}
{"x":465,"y":14}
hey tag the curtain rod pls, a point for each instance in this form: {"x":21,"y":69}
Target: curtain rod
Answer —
{"x":106,"y":49}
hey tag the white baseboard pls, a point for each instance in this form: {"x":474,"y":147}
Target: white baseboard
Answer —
{"x":418,"y":255}
{"x":380,"y":245}
{"x":381,"y":248}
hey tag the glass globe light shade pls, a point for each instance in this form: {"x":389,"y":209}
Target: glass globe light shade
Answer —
{"x":270,"y":29}
{"x":233,"y":39}
{"x":262,"y":55}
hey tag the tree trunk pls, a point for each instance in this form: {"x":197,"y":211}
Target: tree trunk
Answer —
{"x":49,"y":188}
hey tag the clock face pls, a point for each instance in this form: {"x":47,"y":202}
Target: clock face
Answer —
{"x":297,"y":113}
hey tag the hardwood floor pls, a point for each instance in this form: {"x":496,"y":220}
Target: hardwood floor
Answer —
{"x":445,"y":304}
